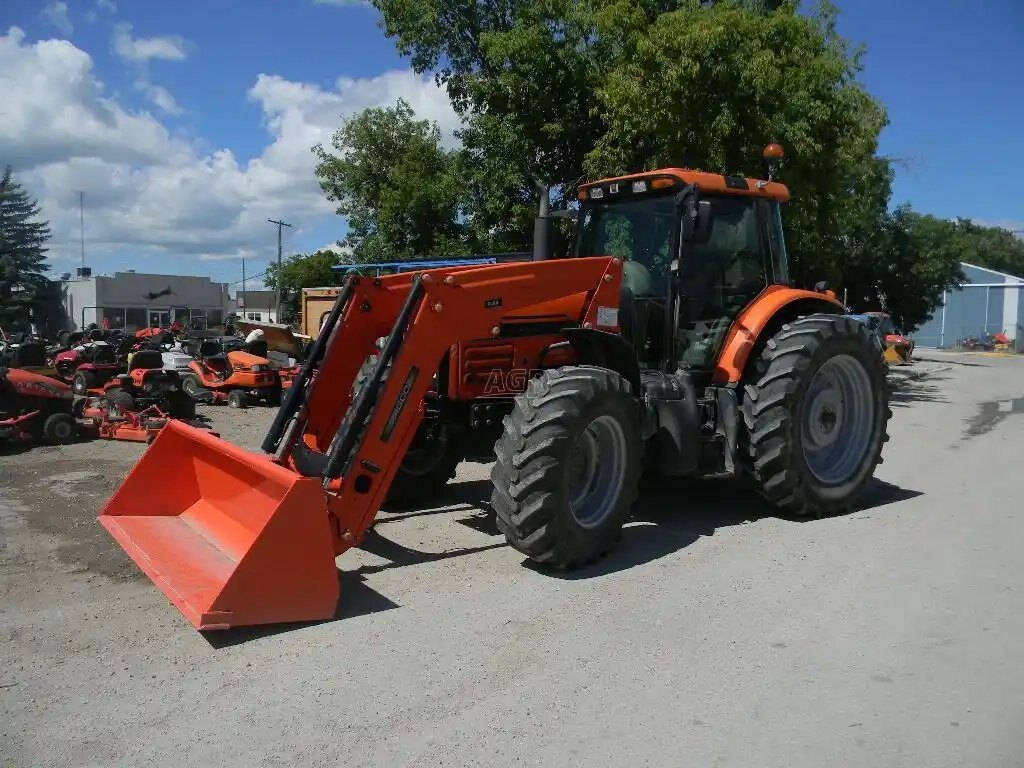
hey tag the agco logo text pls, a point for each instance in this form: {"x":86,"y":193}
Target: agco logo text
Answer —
{"x":502,"y":382}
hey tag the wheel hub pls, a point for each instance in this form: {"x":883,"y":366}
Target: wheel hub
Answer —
{"x":595,"y":471}
{"x":838,"y":421}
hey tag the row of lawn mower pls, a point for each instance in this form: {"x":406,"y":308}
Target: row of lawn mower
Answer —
{"x":36,"y":408}
{"x":127,"y":387}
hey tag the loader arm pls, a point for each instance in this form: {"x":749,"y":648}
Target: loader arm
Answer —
{"x":243,"y":538}
{"x":356,"y":447}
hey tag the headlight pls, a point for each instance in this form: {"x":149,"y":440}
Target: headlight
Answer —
{"x":258,"y":368}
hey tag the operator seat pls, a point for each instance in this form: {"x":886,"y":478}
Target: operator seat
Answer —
{"x":212,"y":356}
{"x":147,"y":359}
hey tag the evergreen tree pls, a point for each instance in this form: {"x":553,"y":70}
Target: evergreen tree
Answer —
{"x":23,"y":284}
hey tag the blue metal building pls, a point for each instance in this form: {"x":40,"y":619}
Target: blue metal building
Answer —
{"x":989,"y":302}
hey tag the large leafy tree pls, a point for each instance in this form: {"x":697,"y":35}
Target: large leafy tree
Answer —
{"x":23,"y":237}
{"x":398,"y":186}
{"x":707,"y":87}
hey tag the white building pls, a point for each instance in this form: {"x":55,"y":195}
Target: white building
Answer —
{"x":259,"y":306}
{"x":133,"y":300}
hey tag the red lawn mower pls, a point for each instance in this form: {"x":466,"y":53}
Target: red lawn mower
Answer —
{"x":88,"y":367}
{"x":34,"y":407}
{"x":147,"y":384}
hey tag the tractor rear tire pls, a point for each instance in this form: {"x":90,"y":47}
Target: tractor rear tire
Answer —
{"x":568,"y":466}
{"x":815,"y":410}
{"x":82,"y":382}
{"x":60,"y":429}
{"x":122,"y":400}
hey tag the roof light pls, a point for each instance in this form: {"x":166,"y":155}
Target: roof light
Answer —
{"x":596,"y":193}
{"x":613,"y":189}
{"x":639,"y":186}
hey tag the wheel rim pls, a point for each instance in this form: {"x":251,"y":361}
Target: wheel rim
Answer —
{"x":597,"y":468}
{"x":838,"y":420}
{"x":62,"y":430}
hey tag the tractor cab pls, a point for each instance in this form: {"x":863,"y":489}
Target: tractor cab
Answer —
{"x":697,"y":248}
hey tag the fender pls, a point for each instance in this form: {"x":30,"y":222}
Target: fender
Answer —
{"x":608,"y":350}
{"x":774,"y":303}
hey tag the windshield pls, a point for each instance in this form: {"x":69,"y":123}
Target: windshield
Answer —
{"x":637,"y":229}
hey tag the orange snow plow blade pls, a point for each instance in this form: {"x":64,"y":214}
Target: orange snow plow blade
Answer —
{"x":230,"y":537}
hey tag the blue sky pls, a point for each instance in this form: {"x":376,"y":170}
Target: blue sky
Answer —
{"x":189,"y":123}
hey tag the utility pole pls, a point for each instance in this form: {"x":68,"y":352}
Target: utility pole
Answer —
{"x":81,"y":222}
{"x":243,"y":290}
{"x":277,"y":281}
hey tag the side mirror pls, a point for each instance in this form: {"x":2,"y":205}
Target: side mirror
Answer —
{"x":697,"y":222}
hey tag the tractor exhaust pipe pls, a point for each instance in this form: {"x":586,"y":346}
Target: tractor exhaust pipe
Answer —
{"x":542,"y":223}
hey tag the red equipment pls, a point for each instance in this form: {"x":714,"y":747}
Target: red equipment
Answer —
{"x":35,"y":407}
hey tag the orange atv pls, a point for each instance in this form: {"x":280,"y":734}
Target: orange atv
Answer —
{"x":236,"y":377}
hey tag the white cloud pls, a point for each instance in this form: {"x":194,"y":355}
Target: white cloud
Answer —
{"x":166,"y":47}
{"x":56,"y":13}
{"x":340,"y":3}
{"x":106,"y":5}
{"x":155,"y":193}
{"x":160,"y":96}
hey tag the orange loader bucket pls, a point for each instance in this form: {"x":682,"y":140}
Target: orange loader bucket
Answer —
{"x":230,"y":537}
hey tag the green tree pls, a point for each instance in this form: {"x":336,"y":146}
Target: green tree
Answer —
{"x":397,"y":185}
{"x":23,"y":283}
{"x":305,"y":270}
{"x":707,"y":87}
{"x":908,"y":261}
{"x":992,"y":247}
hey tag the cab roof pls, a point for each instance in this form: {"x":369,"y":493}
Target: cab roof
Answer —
{"x":706,"y":182}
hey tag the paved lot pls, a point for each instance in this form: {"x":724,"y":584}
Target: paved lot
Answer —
{"x":716,"y":635}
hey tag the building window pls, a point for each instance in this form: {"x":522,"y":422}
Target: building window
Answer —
{"x":135,"y":318}
{"x":112,"y":318}
{"x":255,"y":316}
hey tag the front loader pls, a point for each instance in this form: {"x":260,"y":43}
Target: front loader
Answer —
{"x":673,"y":342}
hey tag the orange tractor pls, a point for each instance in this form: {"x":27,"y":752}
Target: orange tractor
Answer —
{"x":673,"y":342}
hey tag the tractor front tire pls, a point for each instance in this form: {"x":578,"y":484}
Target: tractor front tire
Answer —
{"x":238,"y":399}
{"x":429,"y":462}
{"x":123,"y":401}
{"x":815,"y":408}
{"x":82,"y":382}
{"x":60,"y":429}
{"x":181,"y":406}
{"x":568,"y":466}
{"x":191,"y":385}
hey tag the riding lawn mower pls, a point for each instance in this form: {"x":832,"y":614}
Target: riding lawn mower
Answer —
{"x":235,"y":377}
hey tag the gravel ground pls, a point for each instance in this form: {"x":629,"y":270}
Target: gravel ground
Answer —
{"x":716,"y":634}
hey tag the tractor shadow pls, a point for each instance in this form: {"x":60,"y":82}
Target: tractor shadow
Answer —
{"x":668,"y":517}
{"x":673,"y":514}
{"x":906,"y":391}
{"x":356,"y":599}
